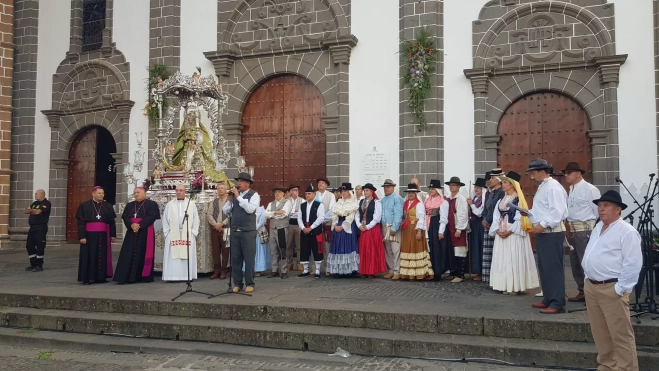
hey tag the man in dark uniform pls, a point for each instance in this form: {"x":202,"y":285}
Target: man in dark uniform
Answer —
{"x":39,"y":213}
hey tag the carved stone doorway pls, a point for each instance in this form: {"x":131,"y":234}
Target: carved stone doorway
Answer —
{"x":90,"y":164}
{"x":284,"y":137}
{"x":544,"y":125}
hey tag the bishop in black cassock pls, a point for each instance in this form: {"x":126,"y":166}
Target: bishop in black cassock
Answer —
{"x":96,"y":232}
{"x":136,"y":257}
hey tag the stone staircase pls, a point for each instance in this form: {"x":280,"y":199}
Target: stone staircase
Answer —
{"x":551,"y":342}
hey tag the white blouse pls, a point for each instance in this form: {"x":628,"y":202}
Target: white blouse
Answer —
{"x":516,"y":227}
{"x":347,"y":209}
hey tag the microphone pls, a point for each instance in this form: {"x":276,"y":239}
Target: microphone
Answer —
{"x":652,"y":175}
{"x":618,"y":179}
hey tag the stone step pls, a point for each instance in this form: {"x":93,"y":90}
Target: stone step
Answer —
{"x":552,"y":328}
{"x":314,"y":338}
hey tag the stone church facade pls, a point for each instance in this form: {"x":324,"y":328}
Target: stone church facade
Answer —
{"x":88,"y":71}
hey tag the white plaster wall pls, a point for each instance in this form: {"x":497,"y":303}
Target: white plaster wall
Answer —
{"x":198,"y":35}
{"x":458,"y":97}
{"x":52,"y":47}
{"x":636,"y":106}
{"x":131,"y":34}
{"x":374,"y":84}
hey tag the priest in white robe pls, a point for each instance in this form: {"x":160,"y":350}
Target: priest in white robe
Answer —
{"x":175,"y":228}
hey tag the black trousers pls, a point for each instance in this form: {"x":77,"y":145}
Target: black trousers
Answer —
{"x":308,"y":247}
{"x":36,"y":243}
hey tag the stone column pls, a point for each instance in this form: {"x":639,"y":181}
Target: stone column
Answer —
{"x":479,"y":85}
{"x":123,"y":156}
{"x":59,"y":169}
{"x":7,"y":47}
{"x":337,"y":129}
{"x":75,"y":43}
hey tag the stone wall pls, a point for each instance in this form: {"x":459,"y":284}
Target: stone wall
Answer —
{"x":26,"y":18}
{"x":422,"y":152}
{"x":7,"y":47}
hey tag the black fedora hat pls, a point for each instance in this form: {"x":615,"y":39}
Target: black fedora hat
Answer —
{"x":488,"y":174}
{"x":245,"y":177}
{"x":573,"y":166}
{"x":539,"y":164}
{"x":324,"y":180}
{"x":412,"y":188}
{"x":435,"y":183}
{"x":480,"y":182}
{"x":309,"y":189}
{"x":455,"y":180}
{"x":512,"y":175}
{"x":369,"y":186}
{"x":346,"y":187}
{"x":280,"y":188}
{"x":611,"y":196}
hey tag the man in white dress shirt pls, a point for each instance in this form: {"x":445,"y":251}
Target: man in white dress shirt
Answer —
{"x":180,"y":238}
{"x":328,"y":200}
{"x":278,"y":211}
{"x":581,"y":216}
{"x":310,"y":221}
{"x":547,"y":215}
{"x":612,"y":264}
{"x":242,"y":210}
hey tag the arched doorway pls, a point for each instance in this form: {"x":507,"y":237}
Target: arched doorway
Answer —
{"x":544,"y":125}
{"x":90,"y":164}
{"x":283,"y":137}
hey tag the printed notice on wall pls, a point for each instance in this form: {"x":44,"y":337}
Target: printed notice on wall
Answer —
{"x":375,"y":165}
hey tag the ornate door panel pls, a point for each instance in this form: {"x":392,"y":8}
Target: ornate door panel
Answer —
{"x":283,"y":136}
{"x":544,"y":125}
{"x":81,"y":177}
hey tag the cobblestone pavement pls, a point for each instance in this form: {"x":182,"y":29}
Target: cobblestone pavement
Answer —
{"x":19,"y":358}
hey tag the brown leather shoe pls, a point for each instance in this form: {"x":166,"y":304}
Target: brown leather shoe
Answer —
{"x":549,"y":311}
{"x":274,"y":274}
{"x":580,"y":298}
{"x":300,"y":267}
{"x":396,"y":277}
{"x":284,"y":275}
{"x":539,"y":305}
{"x":215,"y":275}
{"x":223,"y":276}
{"x":477,"y":278}
{"x":388,"y":276}
{"x":290,"y":267}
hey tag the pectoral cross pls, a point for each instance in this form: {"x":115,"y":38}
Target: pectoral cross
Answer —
{"x":98,"y":216}
{"x":135,"y":215}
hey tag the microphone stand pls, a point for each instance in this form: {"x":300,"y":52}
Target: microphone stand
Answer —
{"x":230,"y":289}
{"x":188,"y":289}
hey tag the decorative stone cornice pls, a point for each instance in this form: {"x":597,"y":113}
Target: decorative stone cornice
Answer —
{"x":124,"y":107}
{"x":60,"y":163}
{"x":340,"y":54}
{"x":609,"y":68}
{"x":491,"y":141}
{"x":53,"y":117}
{"x":331,"y":123}
{"x":235,"y":129}
{"x":222,"y":61}
{"x":599,"y":136}
{"x":118,"y":157}
{"x":479,"y":84}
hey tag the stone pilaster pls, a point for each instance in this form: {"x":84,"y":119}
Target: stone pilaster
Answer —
{"x":422,"y":152}
{"x":23,"y":119}
{"x":7,"y":47}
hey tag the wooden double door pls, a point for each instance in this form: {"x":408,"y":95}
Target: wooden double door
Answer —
{"x":544,"y":125}
{"x":283,"y":137}
{"x":90,"y":164}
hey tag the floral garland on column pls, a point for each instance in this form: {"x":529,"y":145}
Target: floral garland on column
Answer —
{"x":157,"y":73}
{"x":419,"y":57}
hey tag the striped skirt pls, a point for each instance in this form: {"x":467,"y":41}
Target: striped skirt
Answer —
{"x":488,"y":247}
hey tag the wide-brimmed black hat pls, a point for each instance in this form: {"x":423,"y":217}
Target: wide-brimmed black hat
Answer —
{"x":455,"y":180}
{"x":245,"y":177}
{"x":388,"y":183}
{"x":573,"y":166}
{"x":324,"y":180}
{"x":280,"y":188}
{"x":346,"y":187}
{"x":293,"y":186}
{"x":512,"y":175}
{"x":412,"y":188}
{"x":480,"y":182}
{"x":334,"y":190}
{"x":538,"y":164}
{"x":309,"y":189}
{"x":496,"y":172}
{"x":611,"y":196}
{"x":488,"y":174}
{"x":435,"y":183}
{"x":369,"y":186}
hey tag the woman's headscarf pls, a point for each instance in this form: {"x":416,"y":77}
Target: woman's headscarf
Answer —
{"x":526,"y":222}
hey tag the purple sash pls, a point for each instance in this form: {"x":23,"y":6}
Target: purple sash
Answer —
{"x":103,"y":227}
{"x":150,"y":248}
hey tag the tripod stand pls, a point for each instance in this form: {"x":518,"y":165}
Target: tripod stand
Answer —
{"x":645,"y":227}
{"x":188,"y":289}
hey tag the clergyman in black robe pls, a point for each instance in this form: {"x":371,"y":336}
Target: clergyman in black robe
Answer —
{"x":96,"y":232}
{"x":135,"y":262}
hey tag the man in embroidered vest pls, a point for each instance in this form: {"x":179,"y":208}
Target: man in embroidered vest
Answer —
{"x":218,"y":222}
{"x":180,"y":238}
{"x":293,"y":243}
{"x":328,"y":200}
{"x":392,"y":217}
{"x":242,"y":210}
{"x":278,"y":212}
{"x":310,"y":221}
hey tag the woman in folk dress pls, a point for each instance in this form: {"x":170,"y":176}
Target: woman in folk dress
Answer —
{"x":414,"y":257}
{"x":513,"y":265}
{"x":343,"y":258}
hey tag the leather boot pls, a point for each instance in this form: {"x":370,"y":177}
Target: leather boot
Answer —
{"x":215,"y":275}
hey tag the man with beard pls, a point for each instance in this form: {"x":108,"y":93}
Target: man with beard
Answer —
{"x":96,"y":232}
{"x":135,"y":262}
